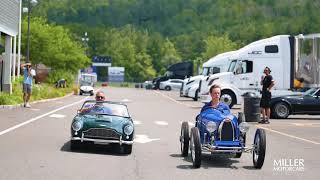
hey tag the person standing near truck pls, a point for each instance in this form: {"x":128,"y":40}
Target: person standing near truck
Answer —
{"x":267,"y":83}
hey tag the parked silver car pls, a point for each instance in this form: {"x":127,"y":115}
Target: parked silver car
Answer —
{"x":171,"y":84}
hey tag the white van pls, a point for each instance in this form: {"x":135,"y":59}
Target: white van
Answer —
{"x":246,"y":68}
{"x":217,"y":64}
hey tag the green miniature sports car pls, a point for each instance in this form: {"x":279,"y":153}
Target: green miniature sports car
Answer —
{"x":102,"y":122}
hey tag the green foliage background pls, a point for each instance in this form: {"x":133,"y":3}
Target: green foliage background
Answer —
{"x":53,"y":46}
{"x":145,"y":36}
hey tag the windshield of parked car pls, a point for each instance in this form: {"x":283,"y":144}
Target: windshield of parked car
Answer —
{"x":310,"y":92}
{"x":104,"y":108}
{"x":85,"y":83}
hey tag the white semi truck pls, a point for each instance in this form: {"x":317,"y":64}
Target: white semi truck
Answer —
{"x":217,"y":64}
{"x":287,"y":56}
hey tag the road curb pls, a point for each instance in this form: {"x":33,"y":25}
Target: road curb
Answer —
{"x":33,"y":102}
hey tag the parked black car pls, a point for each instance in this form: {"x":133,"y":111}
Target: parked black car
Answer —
{"x":156,"y":81}
{"x":306,"y":103}
{"x":179,"y":70}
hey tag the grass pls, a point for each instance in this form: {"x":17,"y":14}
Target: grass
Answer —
{"x":39,"y":91}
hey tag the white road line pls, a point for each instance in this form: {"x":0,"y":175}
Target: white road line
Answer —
{"x":306,"y":124}
{"x":161,"y":123}
{"x":39,"y":117}
{"x":298,"y":124}
{"x":126,"y":100}
{"x":175,"y":100}
{"x":34,"y":109}
{"x":142,"y":138}
{"x":288,"y":135}
{"x":191,"y":124}
{"x":136,"y":122}
{"x":57,"y":116}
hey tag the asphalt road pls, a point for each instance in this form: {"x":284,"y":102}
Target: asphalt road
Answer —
{"x":34,"y":143}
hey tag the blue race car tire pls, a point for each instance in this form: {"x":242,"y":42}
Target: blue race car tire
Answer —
{"x":195,"y":147}
{"x":184,"y":139}
{"x":259,"y":149}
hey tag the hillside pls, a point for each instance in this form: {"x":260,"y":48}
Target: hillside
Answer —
{"x":172,"y":30}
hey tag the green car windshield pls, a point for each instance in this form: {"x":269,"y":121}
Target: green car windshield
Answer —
{"x":104,"y":108}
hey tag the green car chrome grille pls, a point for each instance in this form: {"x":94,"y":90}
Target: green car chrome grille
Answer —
{"x":101,"y":133}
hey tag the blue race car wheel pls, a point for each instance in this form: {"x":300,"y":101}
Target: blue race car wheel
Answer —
{"x":259,"y":149}
{"x":195,"y":147}
{"x":184,"y":139}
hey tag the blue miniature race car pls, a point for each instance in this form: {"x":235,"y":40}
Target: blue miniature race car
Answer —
{"x":218,"y":131}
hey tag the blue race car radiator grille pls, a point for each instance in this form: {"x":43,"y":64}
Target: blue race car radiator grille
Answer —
{"x":101,"y":133}
{"x":226,"y":131}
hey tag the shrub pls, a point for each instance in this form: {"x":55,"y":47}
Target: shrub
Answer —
{"x":54,"y":76}
{"x":7,"y":99}
{"x":39,"y":91}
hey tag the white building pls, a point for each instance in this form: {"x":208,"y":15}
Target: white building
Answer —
{"x":9,"y":29}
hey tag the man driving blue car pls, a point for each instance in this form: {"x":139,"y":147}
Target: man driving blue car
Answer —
{"x":215,"y":92}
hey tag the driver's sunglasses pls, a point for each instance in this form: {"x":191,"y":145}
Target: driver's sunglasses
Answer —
{"x":99,"y":97}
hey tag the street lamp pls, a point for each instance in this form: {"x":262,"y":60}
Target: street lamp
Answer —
{"x":28,"y":9}
{"x":85,"y":40}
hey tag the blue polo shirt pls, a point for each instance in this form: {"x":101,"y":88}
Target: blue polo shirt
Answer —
{"x":27,"y":79}
{"x":221,"y":106}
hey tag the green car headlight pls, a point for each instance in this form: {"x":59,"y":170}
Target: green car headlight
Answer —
{"x":77,"y":125}
{"x":128,"y":129}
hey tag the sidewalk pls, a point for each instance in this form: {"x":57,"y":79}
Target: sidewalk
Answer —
{"x":33,"y":102}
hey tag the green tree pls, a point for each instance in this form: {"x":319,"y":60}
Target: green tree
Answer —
{"x":169,"y":54}
{"x":191,"y":25}
{"x":52,"y":46}
{"x":215,"y":45}
{"x":128,"y":48}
